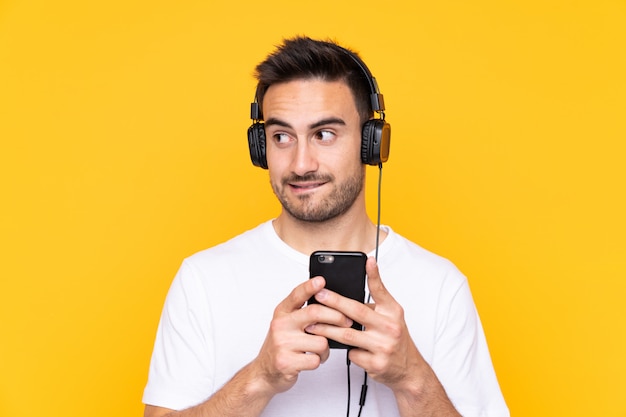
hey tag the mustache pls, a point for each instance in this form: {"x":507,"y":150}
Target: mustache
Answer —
{"x":313,"y":177}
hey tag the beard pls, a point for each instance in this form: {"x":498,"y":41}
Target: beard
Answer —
{"x":306,"y":208}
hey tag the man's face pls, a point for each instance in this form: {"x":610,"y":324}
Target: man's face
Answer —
{"x":313,"y":140}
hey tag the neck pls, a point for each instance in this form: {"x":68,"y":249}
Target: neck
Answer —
{"x":348,"y":232}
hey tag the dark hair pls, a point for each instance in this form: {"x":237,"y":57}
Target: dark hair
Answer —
{"x":304,"y":58}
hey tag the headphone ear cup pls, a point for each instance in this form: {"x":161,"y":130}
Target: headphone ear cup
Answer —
{"x":375,"y":141}
{"x":256,"y":142}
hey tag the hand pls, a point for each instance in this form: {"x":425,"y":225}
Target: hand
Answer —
{"x":385,"y":348}
{"x":288,"y":349}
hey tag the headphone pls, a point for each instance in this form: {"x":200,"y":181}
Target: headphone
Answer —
{"x":375,"y":134}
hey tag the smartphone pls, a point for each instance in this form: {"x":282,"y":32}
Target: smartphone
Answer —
{"x":344,"y":273}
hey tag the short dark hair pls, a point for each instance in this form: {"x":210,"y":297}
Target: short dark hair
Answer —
{"x":304,"y":58}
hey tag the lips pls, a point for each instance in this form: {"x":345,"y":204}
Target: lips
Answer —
{"x":305,"y":185}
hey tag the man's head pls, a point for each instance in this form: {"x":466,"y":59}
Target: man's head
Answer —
{"x":314,"y":128}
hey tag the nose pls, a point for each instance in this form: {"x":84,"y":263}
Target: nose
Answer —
{"x":305,"y":158}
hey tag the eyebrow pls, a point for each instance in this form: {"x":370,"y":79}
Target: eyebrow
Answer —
{"x":323,"y":122}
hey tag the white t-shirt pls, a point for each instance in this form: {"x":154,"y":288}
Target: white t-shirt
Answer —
{"x":220,"y":304}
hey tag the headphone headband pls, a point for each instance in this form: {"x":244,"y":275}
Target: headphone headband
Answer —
{"x":376,"y":98}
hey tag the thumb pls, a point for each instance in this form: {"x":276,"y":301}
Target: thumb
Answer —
{"x":375,"y":283}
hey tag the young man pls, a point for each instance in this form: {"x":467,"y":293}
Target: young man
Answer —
{"x":236,"y":336}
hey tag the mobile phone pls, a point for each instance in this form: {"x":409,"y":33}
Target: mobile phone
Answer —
{"x":344,"y":273}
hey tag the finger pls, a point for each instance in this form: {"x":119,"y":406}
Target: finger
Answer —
{"x":375,"y":284}
{"x":315,"y":348}
{"x":319,"y":313}
{"x":352,"y":309}
{"x":300,"y":295}
{"x":311,"y":344}
{"x":318,"y":345}
{"x":345,"y":335}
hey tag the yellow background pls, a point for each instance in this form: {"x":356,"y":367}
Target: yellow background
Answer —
{"x":123,"y":150}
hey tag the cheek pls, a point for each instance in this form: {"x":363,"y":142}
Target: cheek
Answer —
{"x":276,"y":172}
{"x":277,"y":159}
{"x":347,"y":160}
{"x":273,"y":163}
{"x":344,"y":154}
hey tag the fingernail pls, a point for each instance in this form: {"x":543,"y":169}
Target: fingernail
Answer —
{"x":317,"y":282}
{"x":322,"y":295}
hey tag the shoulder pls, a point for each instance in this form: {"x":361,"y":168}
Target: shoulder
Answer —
{"x":222,"y":259}
{"x":400,"y":253}
{"x":248,"y":260}
{"x":249,"y":242}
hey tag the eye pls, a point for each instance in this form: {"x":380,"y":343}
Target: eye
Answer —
{"x":325,"y":135}
{"x":281,"y":138}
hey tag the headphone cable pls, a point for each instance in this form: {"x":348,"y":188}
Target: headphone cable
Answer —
{"x":369,"y":296}
{"x":349,"y":389}
{"x":380,"y":181}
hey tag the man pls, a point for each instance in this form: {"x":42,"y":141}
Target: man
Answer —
{"x":236,"y":336}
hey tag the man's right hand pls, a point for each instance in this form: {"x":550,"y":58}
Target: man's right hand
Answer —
{"x":288,"y":349}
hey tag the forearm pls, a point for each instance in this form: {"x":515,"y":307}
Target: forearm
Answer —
{"x":425,"y":397}
{"x":245,"y":395}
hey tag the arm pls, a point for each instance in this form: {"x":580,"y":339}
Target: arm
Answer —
{"x":280,"y":360}
{"x":244,"y":395}
{"x":386,"y":350}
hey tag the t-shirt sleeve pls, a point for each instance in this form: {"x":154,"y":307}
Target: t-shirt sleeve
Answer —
{"x":461,"y":357}
{"x":180,"y":373}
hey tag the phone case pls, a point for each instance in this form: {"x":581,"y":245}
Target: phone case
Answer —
{"x":344,"y":273}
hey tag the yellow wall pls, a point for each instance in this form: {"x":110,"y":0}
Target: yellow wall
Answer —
{"x":122,"y":128}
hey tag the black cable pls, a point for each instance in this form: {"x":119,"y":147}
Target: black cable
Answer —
{"x":348,"y":366}
{"x":369,"y":296}
{"x":363,"y":395}
{"x":380,"y":181}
